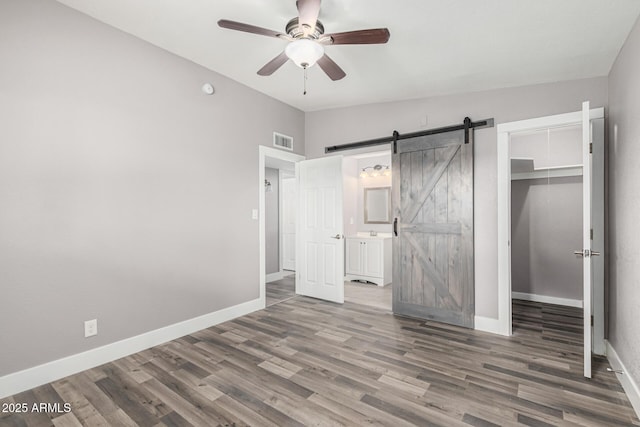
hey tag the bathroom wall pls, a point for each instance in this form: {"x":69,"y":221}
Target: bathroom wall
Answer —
{"x":369,"y":182}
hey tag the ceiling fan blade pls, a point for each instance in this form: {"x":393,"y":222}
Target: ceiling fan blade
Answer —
{"x":331,"y":68}
{"x":239,"y":26}
{"x":308,"y":11}
{"x":372,"y":36}
{"x":271,"y":66}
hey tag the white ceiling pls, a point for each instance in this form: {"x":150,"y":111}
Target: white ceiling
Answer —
{"x":437,"y":47}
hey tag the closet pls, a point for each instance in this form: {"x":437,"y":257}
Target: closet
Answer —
{"x":546,"y":215}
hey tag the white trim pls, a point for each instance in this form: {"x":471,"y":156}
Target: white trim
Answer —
{"x":628,"y":384}
{"x":489,"y":324}
{"x":503,"y":178}
{"x":274,"y":276}
{"x":263,"y":153}
{"x":559,"y":120}
{"x":547,"y":299}
{"x":51,"y":371}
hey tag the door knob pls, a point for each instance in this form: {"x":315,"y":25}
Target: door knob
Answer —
{"x":587,"y":253}
{"x":337,"y":236}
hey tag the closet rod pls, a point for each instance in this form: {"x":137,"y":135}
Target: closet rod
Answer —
{"x":466,"y":126}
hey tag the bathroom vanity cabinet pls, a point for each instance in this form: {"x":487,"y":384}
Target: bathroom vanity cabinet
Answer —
{"x":368,"y":258}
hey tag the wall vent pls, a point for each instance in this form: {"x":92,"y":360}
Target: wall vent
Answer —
{"x":282,"y":141}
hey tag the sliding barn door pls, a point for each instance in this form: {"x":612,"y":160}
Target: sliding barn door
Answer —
{"x":433,"y":229}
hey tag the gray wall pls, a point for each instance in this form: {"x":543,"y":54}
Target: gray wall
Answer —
{"x":624,"y":204}
{"x":272,"y":222}
{"x":343,"y":125}
{"x":126,"y":192}
{"x":546,"y":228}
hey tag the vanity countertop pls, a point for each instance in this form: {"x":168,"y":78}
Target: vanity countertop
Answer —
{"x":367,"y":234}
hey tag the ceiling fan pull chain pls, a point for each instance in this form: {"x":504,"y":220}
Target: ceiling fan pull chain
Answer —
{"x":305,"y":81}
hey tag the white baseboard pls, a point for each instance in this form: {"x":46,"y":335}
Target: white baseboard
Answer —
{"x":488,"y":324}
{"x":271,"y":277}
{"x":546,"y":299}
{"x":628,"y":384}
{"x":51,"y":371}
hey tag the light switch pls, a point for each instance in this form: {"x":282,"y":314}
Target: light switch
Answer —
{"x":254,"y":214}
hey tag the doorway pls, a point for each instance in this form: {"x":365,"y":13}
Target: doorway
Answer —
{"x":546,"y":215}
{"x":319,"y":247}
{"x":274,"y":168}
{"x":538,"y":203}
{"x":367,"y":187}
{"x":279,"y":231}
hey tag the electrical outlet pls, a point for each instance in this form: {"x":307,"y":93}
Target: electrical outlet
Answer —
{"x":423,"y":121}
{"x":90,"y":328}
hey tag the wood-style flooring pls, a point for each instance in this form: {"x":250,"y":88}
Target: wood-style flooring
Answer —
{"x":281,"y":290}
{"x":309,"y":362}
{"x":356,"y":292}
{"x":368,"y":294}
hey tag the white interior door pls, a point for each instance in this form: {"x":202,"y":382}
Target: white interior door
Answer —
{"x":586,"y":235}
{"x":597,"y":237}
{"x":289,"y":204}
{"x":320,"y":248}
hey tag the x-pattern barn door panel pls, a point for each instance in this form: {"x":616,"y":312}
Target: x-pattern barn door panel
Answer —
{"x":433,"y":234}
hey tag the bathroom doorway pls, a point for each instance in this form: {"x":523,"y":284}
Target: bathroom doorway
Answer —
{"x":368,"y":227}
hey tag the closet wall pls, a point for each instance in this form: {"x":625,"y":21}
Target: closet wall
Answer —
{"x":546,"y":213}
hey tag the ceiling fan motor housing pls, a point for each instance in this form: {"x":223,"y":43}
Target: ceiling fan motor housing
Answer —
{"x":295,"y":30}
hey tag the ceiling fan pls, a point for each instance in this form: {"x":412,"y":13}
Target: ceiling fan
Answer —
{"x":306,"y":37}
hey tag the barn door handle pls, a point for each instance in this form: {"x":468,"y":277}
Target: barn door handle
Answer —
{"x":395,"y":226}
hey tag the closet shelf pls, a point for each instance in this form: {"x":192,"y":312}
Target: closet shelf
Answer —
{"x":523,"y":168}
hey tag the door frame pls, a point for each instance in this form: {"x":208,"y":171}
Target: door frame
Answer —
{"x":504,"y":326}
{"x":265,"y":152}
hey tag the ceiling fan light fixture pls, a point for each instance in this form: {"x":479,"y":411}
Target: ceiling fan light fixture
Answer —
{"x":304,"y":52}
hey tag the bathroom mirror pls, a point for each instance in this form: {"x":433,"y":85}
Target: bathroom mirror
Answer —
{"x":377,"y":205}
